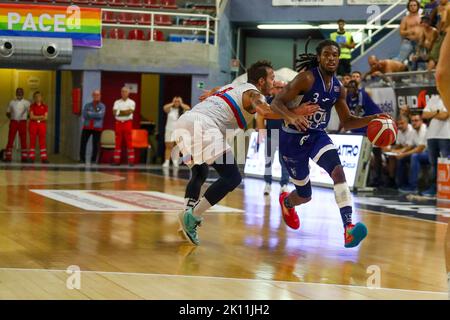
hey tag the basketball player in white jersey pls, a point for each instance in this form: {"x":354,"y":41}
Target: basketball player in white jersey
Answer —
{"x":201,"y":136}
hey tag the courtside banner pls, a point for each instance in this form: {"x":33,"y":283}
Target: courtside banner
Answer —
{"x":82,"y":25}
{"x":277,"y":3}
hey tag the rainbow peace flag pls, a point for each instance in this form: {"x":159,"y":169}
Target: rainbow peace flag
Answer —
{"x":82,"y":25}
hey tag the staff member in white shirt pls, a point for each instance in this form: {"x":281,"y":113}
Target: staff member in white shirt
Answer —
{"x":404,"y":139}
{"x":17,"y":112}
{"x":418,"y":154}
{"x":123,"y":111}
{"x":173,"y":110}
{"x":438,"y":136}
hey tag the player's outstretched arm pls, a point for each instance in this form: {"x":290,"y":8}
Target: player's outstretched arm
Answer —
{"x":348,"y":120}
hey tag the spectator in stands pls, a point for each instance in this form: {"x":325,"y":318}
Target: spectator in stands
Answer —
{"x":379,"y":67}
{"x":415,"y":153}
{"x":360,"y":104}
{"x":404,"y":139}
{"x":345,"y":40}
{"x":123,"y":110}
{"x":428,"y":7}
{"x":93,"y":114}
{"x":427,"y":38}
{"x":17,"y":113}
{"x":270,"y":133}
{"x":38,"y":127}
{"x":174,"y":111}
{"x":405,"y":110}
{"x":346,"y":79}
{"x":438,"y":136}
{"x":357,"y":76}
{"x":407,"y":30}
{"x":439,"y":15}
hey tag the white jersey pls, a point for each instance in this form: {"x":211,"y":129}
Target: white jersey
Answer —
{"x":225,"y":108}
{"x":19,"y":109}
{"x":120,"y":105}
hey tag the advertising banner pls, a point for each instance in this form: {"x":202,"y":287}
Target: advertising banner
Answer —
{"x":82,"y":25}
{"x":349,"y":150}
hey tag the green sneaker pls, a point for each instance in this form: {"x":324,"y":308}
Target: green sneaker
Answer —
{"x":189,"y":224}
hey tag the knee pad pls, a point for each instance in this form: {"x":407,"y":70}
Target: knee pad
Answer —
{"x":329,"y":160}
{"x":342,"y":195}
{"x":304,"y":191}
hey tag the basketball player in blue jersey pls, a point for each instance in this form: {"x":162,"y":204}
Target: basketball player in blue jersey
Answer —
{"x":201,"y":136}
{"x":318,"y":85}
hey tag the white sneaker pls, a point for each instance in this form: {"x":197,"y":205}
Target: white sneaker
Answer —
{"x":166,"y":164}
{"x":284,"y":188}
{"x":267,"y":189}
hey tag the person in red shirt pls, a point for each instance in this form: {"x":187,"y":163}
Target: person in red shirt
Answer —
{"x":38,"y":127}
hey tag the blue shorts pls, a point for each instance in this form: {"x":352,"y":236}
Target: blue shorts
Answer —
{"x":297,"y":148}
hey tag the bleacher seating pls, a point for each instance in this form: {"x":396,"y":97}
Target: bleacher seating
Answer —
{"x":126,"y":18}
{"x":134,"y":3}
{"x":169,"y":4}
{"x":136,"y":34}
{"x":108,"y":17}
{"x":151,"y":3}
{"x":116,"y":3}
{"x":99,"y":2}
{"x":116,"y":33}
{"x":162,"y":20}
{"x":81,"y":2}
{"x":144,"y":19}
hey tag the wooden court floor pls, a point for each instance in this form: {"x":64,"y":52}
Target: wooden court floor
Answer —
{"x":248,"y":254}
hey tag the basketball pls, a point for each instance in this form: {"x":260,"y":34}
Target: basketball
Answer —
{"x":382,"y":132}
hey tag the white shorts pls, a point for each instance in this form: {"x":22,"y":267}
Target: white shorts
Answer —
{"x":199,"y":139}
{"x":168,"y":136}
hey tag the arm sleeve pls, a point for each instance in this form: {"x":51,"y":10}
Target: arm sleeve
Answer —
{"x":8,"y":109}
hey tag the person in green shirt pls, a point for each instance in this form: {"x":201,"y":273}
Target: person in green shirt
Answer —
{"x":345,"y":40}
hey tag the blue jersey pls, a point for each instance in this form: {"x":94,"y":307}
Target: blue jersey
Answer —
{"x":325,"y":98}
{"x":362,"y":105}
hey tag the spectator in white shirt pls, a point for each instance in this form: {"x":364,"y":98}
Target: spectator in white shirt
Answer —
{"x":17,"y":112}
{"x":123,"y":111}
{"x":438,"y":136}
{"x":416,"y":153}
{"x":404,"y":138}
{"x":173,"y":110}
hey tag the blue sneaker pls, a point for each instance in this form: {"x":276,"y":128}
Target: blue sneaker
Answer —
{"x":189,"y":224}
{"x":354,"y":234}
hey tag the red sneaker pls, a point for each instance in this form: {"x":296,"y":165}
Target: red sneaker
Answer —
{"x":354,"y":234}
{"x":290,"y":216}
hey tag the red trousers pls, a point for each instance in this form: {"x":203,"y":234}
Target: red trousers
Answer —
{"x":15,"y":126}
{"x":37,"y":129}
{"x":123,"y":132}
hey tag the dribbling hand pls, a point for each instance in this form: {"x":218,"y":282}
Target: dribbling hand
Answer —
{"x":306,"y":109}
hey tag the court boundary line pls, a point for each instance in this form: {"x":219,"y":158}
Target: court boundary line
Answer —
{"x":221,"y":278}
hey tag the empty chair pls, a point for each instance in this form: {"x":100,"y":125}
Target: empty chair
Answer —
{"x":126,"y":18}
{"x":82,"y":2}
{"x":139,"y":140}
{"x":103,"y":33}
{"x":136,"y":34}
{"x":134,"y":3}
{"x":116,"y":3}
{"x":62,"y":1}
{"x":44,"y":0}
{"x":144,"y":19}
{"x":163,"y":20}
{"x":151,"y":4}
{"x":108,"y":17}
{"x":158,"y":35}
{"x":116,"y":33}
{"x":169,"y":4}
